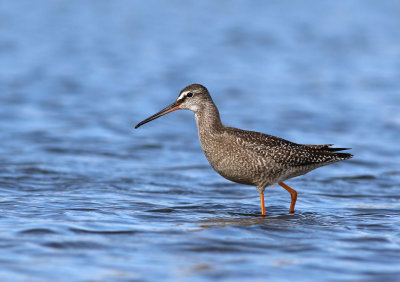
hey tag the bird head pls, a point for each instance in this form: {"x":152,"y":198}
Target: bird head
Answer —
{"x":192,"y":97}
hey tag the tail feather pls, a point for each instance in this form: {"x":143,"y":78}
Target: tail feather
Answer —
{"x":327,"y":148}
{"x":343,"y":156}
{"x":330,"y":153}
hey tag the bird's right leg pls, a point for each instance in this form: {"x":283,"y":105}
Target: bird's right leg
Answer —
{"x":293,"y":194}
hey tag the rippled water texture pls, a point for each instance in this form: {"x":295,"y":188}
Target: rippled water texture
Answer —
{"x":85,"y":197}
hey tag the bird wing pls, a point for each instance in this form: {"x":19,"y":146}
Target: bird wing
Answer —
{"x":299,"y":155}
{"x":292,"y":154}
{"x":286,"y":152}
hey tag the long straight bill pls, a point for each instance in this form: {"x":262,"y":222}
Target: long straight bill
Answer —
{"x":173,"y":107}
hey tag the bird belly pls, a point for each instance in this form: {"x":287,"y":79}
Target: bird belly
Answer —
{"x":240,"y":168}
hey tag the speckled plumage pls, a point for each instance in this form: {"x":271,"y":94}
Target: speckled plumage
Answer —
{"x":249,"y":157}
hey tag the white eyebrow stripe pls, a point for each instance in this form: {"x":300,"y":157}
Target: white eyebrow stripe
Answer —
{"x":183,"y":94}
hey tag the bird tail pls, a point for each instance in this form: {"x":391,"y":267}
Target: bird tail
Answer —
{"x":328,"y":148}
{"x":343,"y":156}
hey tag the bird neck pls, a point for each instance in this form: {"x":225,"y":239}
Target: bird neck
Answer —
{"x":208,"y":119}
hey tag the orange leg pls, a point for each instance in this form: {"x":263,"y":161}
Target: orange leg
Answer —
{"x":262,"y":204}
{"x":293,"y":193}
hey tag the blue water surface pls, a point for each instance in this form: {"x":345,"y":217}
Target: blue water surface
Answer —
{"x":85,"y":197}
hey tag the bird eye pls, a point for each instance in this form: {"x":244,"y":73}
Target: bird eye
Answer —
{"x":190,"y":94}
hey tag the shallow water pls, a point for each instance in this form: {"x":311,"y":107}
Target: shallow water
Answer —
{"x":84,"y":196}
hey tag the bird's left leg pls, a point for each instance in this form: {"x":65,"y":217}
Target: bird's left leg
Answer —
{"x":262,"y":203}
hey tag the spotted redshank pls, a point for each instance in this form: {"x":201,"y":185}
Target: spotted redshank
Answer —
{"x":249,"y":157}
